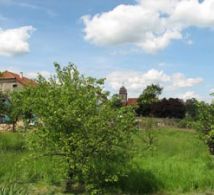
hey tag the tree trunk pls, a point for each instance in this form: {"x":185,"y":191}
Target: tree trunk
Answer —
{"x":14,"y":126}
{"x":69,"y":182}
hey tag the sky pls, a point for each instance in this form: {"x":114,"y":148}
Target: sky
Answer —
{"x":131,"y":42}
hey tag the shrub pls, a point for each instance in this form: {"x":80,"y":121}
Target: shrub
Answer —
{"x":187,"y":123}
{"x":210,"y":141}
{"x":77,"y":123}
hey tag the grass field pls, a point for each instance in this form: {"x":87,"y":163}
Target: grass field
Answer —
{"x":19,"y":170}
{"x":177,"y":163}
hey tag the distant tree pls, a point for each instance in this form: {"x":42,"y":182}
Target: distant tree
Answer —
{"x":3,"y":107}
{"x":116,"y":101}
{"x":169,"y":108}
{"x":11,"y":109}
{"x":6,"y":109}
{"x":160,"y":109}
{"x":77,"y":123}
{"x":149,"y":96}
{"x":191,"y":108}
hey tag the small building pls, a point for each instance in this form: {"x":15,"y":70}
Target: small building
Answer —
{"x":123,"y":94}
{"x":132,"y":101}
{"x":10,"y":81}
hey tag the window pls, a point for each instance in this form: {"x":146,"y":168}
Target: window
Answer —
{"x":15,"y":86}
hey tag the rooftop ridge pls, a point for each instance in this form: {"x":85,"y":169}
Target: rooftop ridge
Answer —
{"x":22,"y":80}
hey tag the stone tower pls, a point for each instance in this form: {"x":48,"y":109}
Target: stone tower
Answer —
{"x":123,"y":95}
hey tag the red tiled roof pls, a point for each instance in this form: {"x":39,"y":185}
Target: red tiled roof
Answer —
{"x":22,"y":80}
{"x":132,"y":101}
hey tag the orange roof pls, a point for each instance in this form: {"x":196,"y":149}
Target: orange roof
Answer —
{"x":132,"y":101}
{"x":22,"y":80}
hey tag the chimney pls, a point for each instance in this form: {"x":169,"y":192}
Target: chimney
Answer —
{"x":21,"y":75}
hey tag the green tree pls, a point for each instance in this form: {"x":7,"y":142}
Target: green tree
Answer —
{"x":116,"y":101}
{"x":205,"y":123}
{"x":20,"y":108}
{"x":2,"y":104}
{"x":205,"y":117}
{"x":76,"y":122}
{"x":149,"y":96}
{"x":6,"y":110}
{"x":191,"y":108}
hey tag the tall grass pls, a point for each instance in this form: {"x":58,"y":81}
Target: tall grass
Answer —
{"x":11,"y":142}
{"x":18,"y":168}
{"x":179,"y":163}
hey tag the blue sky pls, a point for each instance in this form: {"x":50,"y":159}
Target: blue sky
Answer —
{"x":117,"y":40}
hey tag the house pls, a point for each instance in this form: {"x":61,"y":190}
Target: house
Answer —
{"x":123,"y":94}
{"x":10,"y":81}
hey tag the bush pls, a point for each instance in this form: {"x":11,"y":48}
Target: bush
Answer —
{"x":78,"y":123}
{"x":210,"y":141}
{"x":187,"y":123}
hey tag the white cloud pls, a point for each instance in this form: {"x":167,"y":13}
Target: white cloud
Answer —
{"x":135,"y":81}
{"x":34,"y":75}
{"x":150,"y":24}
{"x":180,"y":81}
{"x":189,"y":95}
{"x":15,"y":41}
{"x":211,"y":90}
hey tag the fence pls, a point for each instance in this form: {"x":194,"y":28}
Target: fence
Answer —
{"x":161,"y":122}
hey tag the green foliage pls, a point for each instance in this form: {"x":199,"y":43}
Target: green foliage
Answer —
{"x":149,"y":125}
{"x":9,"y":110}
{"x":76,"y":122}
{"x":116,"y":101}
{"x":20,"y":110}
{"x":147,"y":98}
{"x":191,"y":108}
{"x":2,"y":104}
{"x":205,"y":121}
{"x":209,"y":138}
{"x":150,"y":94}
{"x":5,"y":108}
{"x":205,"y":117}
{"x":188,"y":123}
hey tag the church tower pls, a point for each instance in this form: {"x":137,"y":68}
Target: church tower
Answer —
{"x":123,"y":95}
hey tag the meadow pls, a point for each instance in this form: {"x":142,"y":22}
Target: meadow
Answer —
{"x":178,"y":162}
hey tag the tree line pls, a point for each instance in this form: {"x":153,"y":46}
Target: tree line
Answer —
{"x":150,"y":105}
